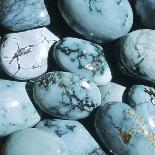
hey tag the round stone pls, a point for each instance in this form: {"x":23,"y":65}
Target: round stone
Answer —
{"x":83,"y":58}
{"x":72,"y":132}
{"x":66,"y":95}
{"x":34,"y":142}
{"x":24,"y":55}
{"x":98,"y":20}
{"x":136,"y":54}
{"x":123,"y":131}
{"x":22,"y":15}
{"x":16,"y":109}
{"x":142,"y":100}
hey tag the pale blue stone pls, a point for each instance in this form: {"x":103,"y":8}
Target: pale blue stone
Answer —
{"x":66,"y":95}
{"x":111,"y":92}
{"x":98,"y":20}
{"x":20,"y":15}
{"x":83,"y":58}
{"x":142,"y":99}
{"x":74,"y":134}
{"x":146,"y":12}
{"x":24,"y":55}
{"x":34,"y":142}
{"x":123,"y":131}
{"x":16,"y":109}
{"x":136,"y":54}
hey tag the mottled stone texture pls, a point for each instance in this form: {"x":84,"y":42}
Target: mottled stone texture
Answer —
{"x":18,"y":15}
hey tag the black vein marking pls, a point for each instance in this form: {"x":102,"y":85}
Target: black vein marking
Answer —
{"x":119,"y":2}
{"x":126,"y":19}
{"x":96,"y":151}
{"x":96,"y":64}
{"x":94,"y":5}
{"x":151,"y":94}
{"x":59,"y":130}
{"x":69,"y":96}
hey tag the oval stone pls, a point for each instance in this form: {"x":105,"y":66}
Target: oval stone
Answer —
{"x":123,"y":131}
{"x":23,"y":14}
{"x":24,"y":55}
{"x":111,"y":92}
{"x":34,"y":142}
{"x":72,"y":132}
{"x":98,"y":20}
{"x":142,"y":99}
{"x":66,"y":95}
{"x":146,"y":12}
{"x":136,"y":54}
{"x":83,"y":58}
{"x":16,"y":109}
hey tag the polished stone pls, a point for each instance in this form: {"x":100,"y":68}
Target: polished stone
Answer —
{"x":123,"y":131}
{"x":16,"y":109}
{"x":34,"y":142}
{"x":111,"y":92}
{"x":142,"y":99}
{"x":136,"y":54}
{"x":146,"y":12}
{"x":24,"y":55}
{"x":74,"y":134}
{"x":66,"y":95}
{"x":98,"y":20}
{"x":83,"y":58}
{"x":18,"y":15}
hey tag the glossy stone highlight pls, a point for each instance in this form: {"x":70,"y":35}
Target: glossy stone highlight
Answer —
{"x":34,"y":142}
{"x":136,"y":54}
{"x":111,"y":92}
{"x":124,"y":131}
{"x":24,"y":55}
{"x":74,"y":134}
{"x":142,"y":99}
{"x":66,"y":95}
{"x":83,"y":58}
{"x":16,"y":110}
{"x":98,"y":20}
{"x":18,"y":15}
{"x":146,"y":11}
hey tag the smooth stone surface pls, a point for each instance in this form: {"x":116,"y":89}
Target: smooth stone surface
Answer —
{"x":136,"y":54}
{"x":74,"y":134}
{"x":66,"y":95}
{"x":142,"y":99}
{"x":34,"y":142}
{"x":146,"y":12}
{"x":124,"y":131}
{"x":18,"y":15}
{"x":83,"y":58}
{"x":24,"y":55}
{"x":111,"y":92}
{"x":98,"y":20}
{"x":16,"y":110}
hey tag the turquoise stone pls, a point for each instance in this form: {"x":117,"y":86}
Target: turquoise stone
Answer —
{"x":16,"y":109}
{"x":136,"y":54}
{"x":123,"y":131}
{"x":34,"y":142}
{"x":66,"y":95}
{"x":146,"y":12}
{"x":83,"y":58}
{"x":111,"y":92}
{"x":24,"y":55}
{"x":98,"y":20}
{"x":142,"y":99}
{"x":72,"y":132}
{"x":18,"y":15}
